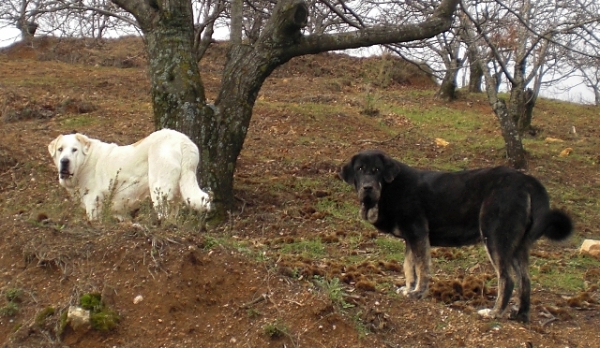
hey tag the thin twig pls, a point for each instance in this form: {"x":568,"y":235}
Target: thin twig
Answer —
{"x":261,"y":298}
{"x":379,"y":142}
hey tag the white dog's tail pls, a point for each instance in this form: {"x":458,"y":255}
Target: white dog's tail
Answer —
{"x":188,"y":185}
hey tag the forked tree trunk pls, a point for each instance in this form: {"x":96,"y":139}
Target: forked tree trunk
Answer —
{"x":220,"y":129}
{"x":453,"y":63}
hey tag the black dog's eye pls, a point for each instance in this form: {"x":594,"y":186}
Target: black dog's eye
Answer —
{"x":360,"y":169}
{"x":375,"y":170}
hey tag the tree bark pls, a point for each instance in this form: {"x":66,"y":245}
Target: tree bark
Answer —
{"x":447,"y":90}
{"x":512,"y":139}
{"x":521,"y":101}
{"x":27,"y":29}
{"x":525,"y":121}
{"x":475,"y":75}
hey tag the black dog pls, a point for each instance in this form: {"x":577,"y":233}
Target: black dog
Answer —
{"x":504,"y":208}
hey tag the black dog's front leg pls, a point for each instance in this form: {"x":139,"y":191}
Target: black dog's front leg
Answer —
{"x":409,"y":272}
{"x":420,"y":251}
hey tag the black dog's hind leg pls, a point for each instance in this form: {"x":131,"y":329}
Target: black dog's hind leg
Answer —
{"x":521,"y":268}
{"x":505,"y":284}
{"x":503,"y":222}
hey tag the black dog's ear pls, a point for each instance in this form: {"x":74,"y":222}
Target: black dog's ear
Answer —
{"x":391,"y":169}
{"x":347,"y":172}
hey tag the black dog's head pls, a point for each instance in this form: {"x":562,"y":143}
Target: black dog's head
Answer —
{"x":369,"y":171}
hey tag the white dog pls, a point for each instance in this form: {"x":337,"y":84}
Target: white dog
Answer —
{"x":162,"y":166}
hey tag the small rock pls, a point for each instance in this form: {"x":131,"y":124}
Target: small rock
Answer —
{"x":79,"y":319}
{"x":138,"y":299}
{"x":591,"y":247}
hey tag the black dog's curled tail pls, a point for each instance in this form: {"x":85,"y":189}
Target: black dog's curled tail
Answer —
{"x":555,"y":225}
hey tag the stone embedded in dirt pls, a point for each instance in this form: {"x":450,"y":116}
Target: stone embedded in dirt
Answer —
{"x":79,"y":319}
{"x":138,"y":299}
{"x":591,"y":247}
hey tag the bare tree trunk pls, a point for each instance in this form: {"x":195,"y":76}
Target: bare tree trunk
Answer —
{"x":245,"y":71}
{"x":27,"y":30}
{"x":512,"y":139}
{"x":235,"y":31}
{"x":525,"y":121}
{"x":447,"y":90}
{"x":505,"y":114}
{"x":522,"y":100}
{"x":475,"y":76}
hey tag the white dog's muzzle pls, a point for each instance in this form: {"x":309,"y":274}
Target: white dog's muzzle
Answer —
{"x":64,"y":172}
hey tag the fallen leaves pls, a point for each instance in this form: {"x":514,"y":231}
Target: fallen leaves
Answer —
{"x":566,"y":152}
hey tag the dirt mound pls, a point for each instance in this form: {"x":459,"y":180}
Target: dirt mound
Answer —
{"x":127,"y":52}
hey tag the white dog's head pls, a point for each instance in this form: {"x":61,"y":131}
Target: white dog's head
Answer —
{"x":68,"y":153}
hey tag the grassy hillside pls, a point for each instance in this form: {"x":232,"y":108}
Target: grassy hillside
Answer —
{"x":294,"y":266}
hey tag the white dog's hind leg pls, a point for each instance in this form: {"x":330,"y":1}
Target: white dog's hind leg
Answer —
{"x":191,"y":193}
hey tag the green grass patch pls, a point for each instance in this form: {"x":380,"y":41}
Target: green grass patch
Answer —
{"x":42,"y":315}
{"x":276,"y":329}
{"x":341,"y":210}
{"x":390,"y":247}
{"x":102,"y":318}
{"x":334,"y":290}
{"x":13,"y":294}
{"x":9,"y":310}
{"x":79,"y":121}
{"x":568,"y":274}
{"x":311,"y":248}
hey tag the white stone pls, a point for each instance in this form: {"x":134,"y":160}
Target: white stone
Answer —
{"x":79,"y":319}
{"x":138,"y":299}
{"x":487,"y":313}
{"x":590,"y":247}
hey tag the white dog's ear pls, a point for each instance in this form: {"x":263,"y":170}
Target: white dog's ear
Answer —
{"x":85,"y":141}
{"x":52,"y":145}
